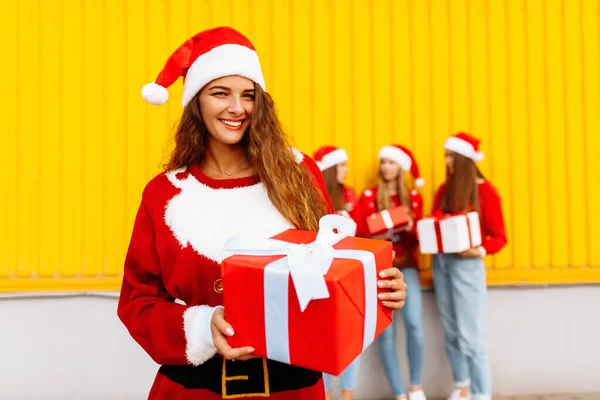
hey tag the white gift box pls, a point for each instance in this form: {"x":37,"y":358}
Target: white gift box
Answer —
{"x":449,"y":234}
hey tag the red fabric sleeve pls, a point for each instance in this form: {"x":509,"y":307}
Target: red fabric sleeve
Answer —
{"x":360,"y":214}
{"x":169,"y":332}
{"x":351,"y":199}
{"x":145,"y":307}
{"x":493,"y":221}
{"x":416,"y":206}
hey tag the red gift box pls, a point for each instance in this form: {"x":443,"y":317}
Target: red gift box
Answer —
{"x":393,"y":219}
{"x":261,"y":303}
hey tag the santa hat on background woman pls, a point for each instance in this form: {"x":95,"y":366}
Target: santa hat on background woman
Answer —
{"x":404,"y":158}
{"x":207,"y":56}
{"x":328,"y":156}
{"x":465,"y":145}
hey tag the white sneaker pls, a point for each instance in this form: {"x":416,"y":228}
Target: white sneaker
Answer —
{"x":417,"y":395}
{"x":455,"y":395}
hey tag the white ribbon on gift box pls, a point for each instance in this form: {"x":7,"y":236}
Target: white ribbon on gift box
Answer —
{"x":387,"y":219}
{"x":307,"y":264}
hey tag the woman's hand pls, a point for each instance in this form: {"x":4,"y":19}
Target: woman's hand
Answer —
{"x":393,"y":279}
{"x":472,"y":252}
{"x":411,"y":223}
{"x":220,"y":330}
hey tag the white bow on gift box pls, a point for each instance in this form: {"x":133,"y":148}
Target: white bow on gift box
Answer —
{"x":307,"y":264}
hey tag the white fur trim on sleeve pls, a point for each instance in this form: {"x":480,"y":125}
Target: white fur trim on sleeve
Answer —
{"x":199,"y":344}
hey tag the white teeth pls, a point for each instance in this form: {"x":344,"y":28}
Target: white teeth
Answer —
{"x":231,"y":123}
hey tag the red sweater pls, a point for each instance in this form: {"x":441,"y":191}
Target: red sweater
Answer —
{"x":408,"y":242}
{"x":175,"y":253}
{"x":350,"y":199}
{"x":493,"y":233}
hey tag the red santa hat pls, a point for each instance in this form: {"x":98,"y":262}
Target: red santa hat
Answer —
{"x":207,"y":56}
{"x":328,"y":156}
{"x":465,"y":145}
{"x":405,"y":159}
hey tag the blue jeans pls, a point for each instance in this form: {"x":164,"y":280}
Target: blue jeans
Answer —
{"x":348,"y":378}
{"x":460,"y":291}
{"x":412,"y":316}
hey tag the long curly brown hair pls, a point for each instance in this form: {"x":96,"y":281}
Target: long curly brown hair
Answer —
{"x":290,"y":186}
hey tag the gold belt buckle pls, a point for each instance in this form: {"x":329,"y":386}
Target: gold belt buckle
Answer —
{"x":225,"y":379}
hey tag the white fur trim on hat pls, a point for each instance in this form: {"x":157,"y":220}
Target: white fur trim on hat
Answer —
{"x":155,"y":94}
{"x":224,"y":60}
{"x":298,"y":155}
{"x":335,"y":157}
{"x":463,"y":148}
{"x":396,"y":155}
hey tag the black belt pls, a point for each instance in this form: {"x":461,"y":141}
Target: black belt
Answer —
{"x":257,"y":376}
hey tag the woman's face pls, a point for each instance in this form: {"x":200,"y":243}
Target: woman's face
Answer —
{"x":449,"y":158}
{"x":226,"y":105}
{"x":389,"y":170}
{"x":342,"y":172}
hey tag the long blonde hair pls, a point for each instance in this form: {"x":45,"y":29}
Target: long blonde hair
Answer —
{"x":290,"y":187}
{"x":384,"y":200}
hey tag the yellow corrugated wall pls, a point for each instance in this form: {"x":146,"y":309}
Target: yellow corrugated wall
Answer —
{"x":79,"y":143}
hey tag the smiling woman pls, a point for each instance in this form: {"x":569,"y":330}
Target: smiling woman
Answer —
{"x":226,"y":105}
{"x":229,"y":146}
{"x":232,"y":172}
{"x":207,"y":136}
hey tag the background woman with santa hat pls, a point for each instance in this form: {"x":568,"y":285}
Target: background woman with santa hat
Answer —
{"x":332,"y":162}
{"x":459,"y":279}
{"x":232,"y":172}
{"x":392,"y":191}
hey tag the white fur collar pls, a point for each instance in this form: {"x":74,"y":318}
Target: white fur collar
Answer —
{"x":205,"y":217}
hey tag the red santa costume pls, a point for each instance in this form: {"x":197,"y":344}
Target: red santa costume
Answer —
{"x":172,"y":277}
{"x":406,"y":241}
